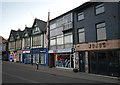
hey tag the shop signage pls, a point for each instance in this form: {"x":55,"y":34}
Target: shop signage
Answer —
{"x":101,"y":45}
{"x":52,"y":51}
{"x":97,"y":45}
{"x":27,"y":51}
{"x":63,"y":50}
{"x":38,"y":50}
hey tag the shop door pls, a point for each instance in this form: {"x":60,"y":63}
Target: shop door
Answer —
{"x":82,"y":61}
{"x":102,"y":63}
{"x":93,"y":62}
{"x":19,"y":57}
{"x":72,"y":61}
{"x":113,"y":63}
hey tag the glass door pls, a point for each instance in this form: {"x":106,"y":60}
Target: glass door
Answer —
{"x":102,"y":63}
{"x":93,"y":62}
{"x":82,"y":61}
{"x":113,"y":63}
{"x":19,"y":57}
{"x":72,"y":61}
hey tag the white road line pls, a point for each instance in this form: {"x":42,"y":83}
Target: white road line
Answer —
{"x":22,"y":78}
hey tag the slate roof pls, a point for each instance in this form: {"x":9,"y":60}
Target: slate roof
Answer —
{"x":13,"y":32}
{"x":20,"y":33}
{"x":41,"y":24}
{"x":29,"y":30}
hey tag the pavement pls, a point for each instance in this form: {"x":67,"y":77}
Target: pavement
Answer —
{"x":70,"y":73}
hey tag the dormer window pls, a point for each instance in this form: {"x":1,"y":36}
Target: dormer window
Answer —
{"x":36,"y":29}
{"x":25,"y":34}
{"x":17,"y":36}
{"x":11,"y":38}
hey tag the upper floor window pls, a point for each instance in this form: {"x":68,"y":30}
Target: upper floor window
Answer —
{"x":18,"y":44}
{"x":36,"y":30}
{"x":68,"y":38}
{"x":17,"y":36}
{"x":59,"y":22}
{"x":60,"y":40}
{"x":37,"y":40}
{"x":53,"y":42}
{"x":25,"y":34}
{"x":99,"y":9}
{"x":53,"y":26}
{"x":67,"y":18}
{"x":27,"y":42}
{"x":11,"y":38}
{"x":81,"y":35}
{"x":80,"y":16}
{"x":101,"y":31}
{"x":11,"y":45}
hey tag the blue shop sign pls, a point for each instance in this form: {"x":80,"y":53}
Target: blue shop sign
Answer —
{"x":39,"y":50}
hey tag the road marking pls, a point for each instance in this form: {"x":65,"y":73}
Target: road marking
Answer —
{"x":22,"y":78}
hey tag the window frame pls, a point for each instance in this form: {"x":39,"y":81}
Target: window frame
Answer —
{"x":81,"y":32}
{"x":79,"y":14}
{"x":100,"y":28}
{"x":98,"y":8}
{"x":68,"y":35}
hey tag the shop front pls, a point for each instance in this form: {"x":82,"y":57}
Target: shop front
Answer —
{"x":101,"y":57}
{"x":13,"y":56}
{"x":104,"y":62}
{"x":64,"y":59}
{"x":26,"y":56}
{"x":40,"y":56}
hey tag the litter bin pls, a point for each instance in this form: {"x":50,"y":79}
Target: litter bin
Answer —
{"x":25,"y":61}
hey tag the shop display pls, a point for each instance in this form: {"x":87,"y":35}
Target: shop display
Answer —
{"x":63,"y":61}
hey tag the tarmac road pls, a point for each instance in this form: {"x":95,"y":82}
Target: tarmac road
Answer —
{"x":18,"y":73}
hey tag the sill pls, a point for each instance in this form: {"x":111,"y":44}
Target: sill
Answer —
{"x":99,"y":13}
{"x":101,"y":40}
{"x":80,"y":20}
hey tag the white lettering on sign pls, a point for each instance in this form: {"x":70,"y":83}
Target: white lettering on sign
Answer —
{"x":26,"y":52}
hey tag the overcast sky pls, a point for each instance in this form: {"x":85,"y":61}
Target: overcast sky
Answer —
{"x":18,"y":13}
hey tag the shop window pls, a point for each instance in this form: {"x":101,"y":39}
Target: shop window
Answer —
{"x":80,"y":16}
{"x":101,"y":31}
{"x":93,"y":56}
{"x":99,"y":9}
{"x":81,"y":35}
{"x":63,"y":61}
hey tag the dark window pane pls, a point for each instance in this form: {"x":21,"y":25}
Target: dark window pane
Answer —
{"x":100,"y":9}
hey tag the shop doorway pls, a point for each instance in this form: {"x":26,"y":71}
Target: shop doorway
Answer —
{"x":82,"y":61}
{"x":102,"y":63}
{"x":19,"y":57}
{"x":72,"y":61}
{"x":52,"y":60}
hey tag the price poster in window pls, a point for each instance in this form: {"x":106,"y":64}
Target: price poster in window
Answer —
{"x":42,"y":59}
